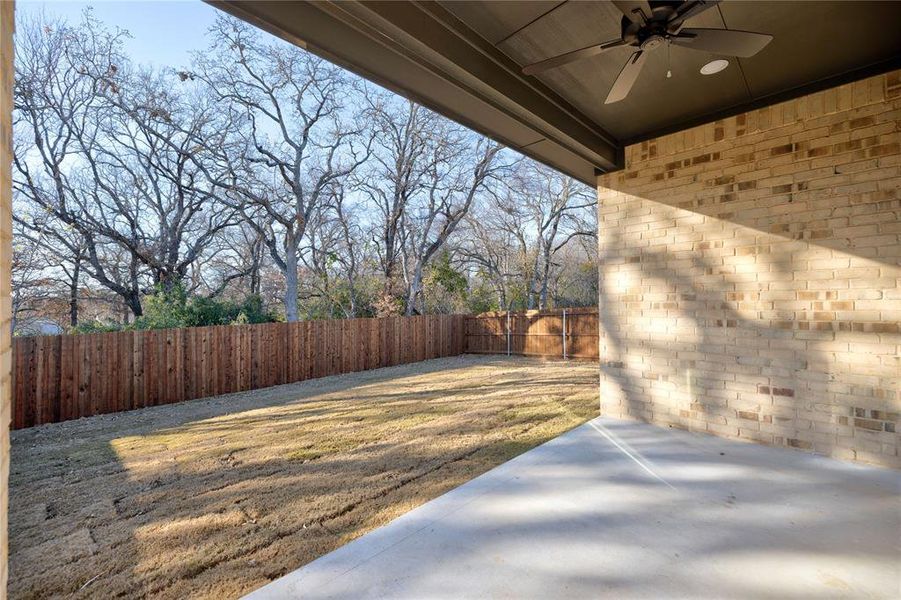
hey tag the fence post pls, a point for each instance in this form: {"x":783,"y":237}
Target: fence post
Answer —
{"x":508,"y":333}
{"x":564,"y":334}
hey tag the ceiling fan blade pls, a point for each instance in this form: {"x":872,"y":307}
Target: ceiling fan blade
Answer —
{"x":633,"y":9}
{"x":626,"y":78}
{"x":723,"y":41}
{"x":691,"y":8}
{"x":569,"y":57}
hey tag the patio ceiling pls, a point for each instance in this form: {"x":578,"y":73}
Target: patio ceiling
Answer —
{"x":464,"y":58}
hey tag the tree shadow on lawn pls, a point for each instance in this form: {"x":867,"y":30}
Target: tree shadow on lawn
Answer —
{"x":216,"y":497}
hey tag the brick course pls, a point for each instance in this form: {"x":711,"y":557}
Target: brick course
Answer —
{"x":750,"y":279}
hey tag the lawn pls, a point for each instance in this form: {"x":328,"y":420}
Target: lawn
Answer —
{"x":214,"y":498}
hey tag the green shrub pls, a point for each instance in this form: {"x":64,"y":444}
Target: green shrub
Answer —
{"x":211,"y":311}
{"x":173,"y":308}
{"x":165,"y":309}
{"x":442,"y":273}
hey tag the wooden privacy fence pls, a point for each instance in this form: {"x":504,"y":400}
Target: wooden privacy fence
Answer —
{"x":62,"y":377}
{"x":565,"y":333}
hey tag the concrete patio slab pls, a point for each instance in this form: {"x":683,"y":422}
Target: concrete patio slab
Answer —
{"x":624,"y":509}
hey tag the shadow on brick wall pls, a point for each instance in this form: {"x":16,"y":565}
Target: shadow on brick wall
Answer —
{"x":774,"y":380}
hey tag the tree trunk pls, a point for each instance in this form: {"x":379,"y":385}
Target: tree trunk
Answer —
{"x":73,"y":295}
{"x":133,"y":302}
{"x":533,"y":283}
{"x":545,"y":276}
{"x":413,"y":292}
{"x":291,"y":285}
{"x":542,"y":297}
{"x":168,"y":280}
{"x":255,"y":281}
{"x":352,"y":295}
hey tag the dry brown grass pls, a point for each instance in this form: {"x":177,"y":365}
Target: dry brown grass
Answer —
{"x":213,"y":498}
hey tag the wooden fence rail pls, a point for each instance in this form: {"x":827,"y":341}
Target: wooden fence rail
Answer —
{"x":57,"y":378}
{"x":569,"y":333}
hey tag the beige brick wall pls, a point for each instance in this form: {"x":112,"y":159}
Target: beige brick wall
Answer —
{"x":750,"y":280}
{"x":6,"y":88}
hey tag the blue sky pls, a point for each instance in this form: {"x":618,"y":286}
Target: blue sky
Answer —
{"x":164,"y":32}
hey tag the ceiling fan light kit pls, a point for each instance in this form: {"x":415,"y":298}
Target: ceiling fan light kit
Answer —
{"x":714,"y":66}
{"x":647,"y":26}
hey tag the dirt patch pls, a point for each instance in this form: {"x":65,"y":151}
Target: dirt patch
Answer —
{"x":214,"y":498}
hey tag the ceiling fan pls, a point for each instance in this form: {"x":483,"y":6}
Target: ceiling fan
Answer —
{"x":650,"y":25}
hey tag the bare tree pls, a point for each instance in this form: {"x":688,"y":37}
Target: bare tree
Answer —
{"x":110,"y":152}
{"x":30,"y":283}
{"x":425,"y":176}
{"x":266,"y":171}
{"x":491,"y":254}
{"x":335,"y":256}
{"x":540,"y":212}
{"x":238,"y":261}
{"x":455,"y":178}
{"x":403,"y":158}
{"x":301,"y":136}
{"x":353,"y":246}
{"x":153,"y":181}
{"x":52,"y":101}
{"x":46,"y":265}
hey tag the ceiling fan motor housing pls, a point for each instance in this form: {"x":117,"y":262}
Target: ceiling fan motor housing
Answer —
{"x":652,"y":42}
{"x":653,"y":32}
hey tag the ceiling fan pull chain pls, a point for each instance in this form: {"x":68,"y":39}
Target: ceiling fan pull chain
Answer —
{"x":669,"y":72}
